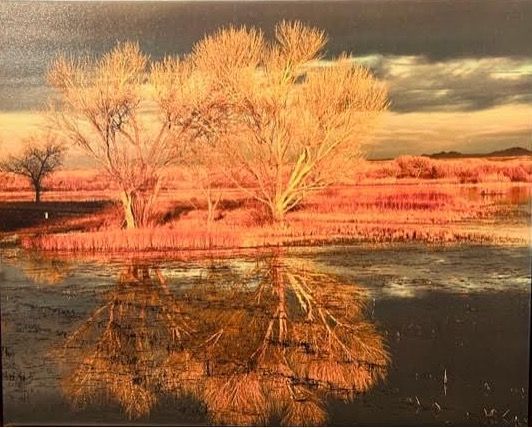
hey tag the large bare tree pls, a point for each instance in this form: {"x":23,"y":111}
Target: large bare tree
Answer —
{"x":41,"y":157}
{"x":127,"y":115}
{"x":294,"y":124}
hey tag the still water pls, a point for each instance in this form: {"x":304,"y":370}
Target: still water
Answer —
{"x":338,"y":336}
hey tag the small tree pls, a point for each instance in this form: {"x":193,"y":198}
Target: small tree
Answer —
{"x":294,"y":125}
{"x":202,"y":162}
{"x":41,"y":157}
{"x":415,"y":166}
{"x":126,"y":116}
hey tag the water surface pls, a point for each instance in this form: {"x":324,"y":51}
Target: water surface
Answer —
{"x":338,"y":336}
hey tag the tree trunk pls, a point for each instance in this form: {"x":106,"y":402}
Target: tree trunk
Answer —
{"x":37,"y":194}
{"x":127,"y":203}
{"x":277,"y":212}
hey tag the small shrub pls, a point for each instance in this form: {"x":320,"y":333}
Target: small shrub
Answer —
{"x":415,"y":166}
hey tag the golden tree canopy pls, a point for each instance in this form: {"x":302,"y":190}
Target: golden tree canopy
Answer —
{"x":131,"y":116}
{"x":294,"y":124}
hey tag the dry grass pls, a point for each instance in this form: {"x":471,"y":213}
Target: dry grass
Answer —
{"x":438,"y":213}
{"x":406,"y":169}
{"x":375,"y":210}
{"x":465,"y":170}
{"x":156,"y":239}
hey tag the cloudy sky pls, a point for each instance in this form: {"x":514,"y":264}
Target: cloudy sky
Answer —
{"x":459,"y":71}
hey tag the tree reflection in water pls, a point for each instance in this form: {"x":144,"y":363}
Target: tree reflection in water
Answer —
{"x":38,"y":268}
{"x":268,"y":345}
{"x":122,"y":347}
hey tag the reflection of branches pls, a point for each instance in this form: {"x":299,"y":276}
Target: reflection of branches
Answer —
{"x":40,"y":269}
{"x":271,"y":343}
{"x":124,"y":342}
{"x":289,"y":337}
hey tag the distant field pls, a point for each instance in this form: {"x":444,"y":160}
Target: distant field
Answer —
{"x":405,"y":169}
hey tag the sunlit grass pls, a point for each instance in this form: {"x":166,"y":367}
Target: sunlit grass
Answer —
{"x":433,"y":210}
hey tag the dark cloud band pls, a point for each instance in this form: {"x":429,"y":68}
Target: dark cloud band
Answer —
{"x":32,"y":33}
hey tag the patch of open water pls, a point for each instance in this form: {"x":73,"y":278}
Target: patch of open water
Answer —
{"x":338,"y":336}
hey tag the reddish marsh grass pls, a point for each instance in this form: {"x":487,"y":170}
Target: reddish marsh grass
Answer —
{"x":466,"y":170}
{"x":372,"y":214}
{"x":429,"y":211}
{"x":388,"y":204}
{"x":156,"y":239}
{"x":405,"y":169}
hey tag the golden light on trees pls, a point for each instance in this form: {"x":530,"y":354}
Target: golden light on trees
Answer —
{"x":292,"y":125}
{"x":117,"y":109}
{"x":281,"y":124}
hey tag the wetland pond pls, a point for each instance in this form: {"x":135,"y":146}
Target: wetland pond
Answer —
{"x":344,"y":335}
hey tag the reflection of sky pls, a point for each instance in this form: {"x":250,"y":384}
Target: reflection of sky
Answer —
{"x":468,"y":270}
{"x":459,"y":73}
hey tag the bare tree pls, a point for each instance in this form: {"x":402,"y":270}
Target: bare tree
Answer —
{"x":202,"y":162}
{"x":127,"y":116}
{"x":42,"y":156}
{"x":186,"y":91}
{"x":294,"y":125}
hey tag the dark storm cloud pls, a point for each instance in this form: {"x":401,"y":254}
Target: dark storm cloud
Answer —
{"x":466,"y":84}
{"x":33,"y":33}
{"x":435,"y":29}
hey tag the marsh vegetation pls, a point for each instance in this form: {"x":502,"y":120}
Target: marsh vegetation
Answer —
{"x":168,"y":282}
{"x":245,"y":141}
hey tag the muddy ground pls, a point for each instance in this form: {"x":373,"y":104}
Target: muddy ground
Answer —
{"x":15,"y":216}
